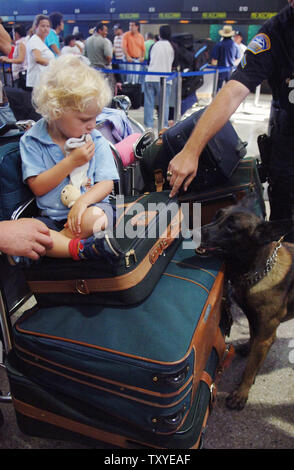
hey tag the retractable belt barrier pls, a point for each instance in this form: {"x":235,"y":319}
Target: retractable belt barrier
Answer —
{"x":164,"y":76}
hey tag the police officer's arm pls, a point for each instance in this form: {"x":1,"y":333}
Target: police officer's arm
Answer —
{"x":185,"y":164}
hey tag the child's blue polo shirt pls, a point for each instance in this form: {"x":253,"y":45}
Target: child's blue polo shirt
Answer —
{"x":39,"y":153}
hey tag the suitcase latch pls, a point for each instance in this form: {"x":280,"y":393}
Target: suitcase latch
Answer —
{"x":128,"y":255}
{"x":82,"y":287}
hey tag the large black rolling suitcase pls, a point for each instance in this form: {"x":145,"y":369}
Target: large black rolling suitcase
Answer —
{"x":134,"y":92}
{"x":140,"y":375}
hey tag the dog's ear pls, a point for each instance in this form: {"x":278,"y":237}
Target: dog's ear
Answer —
{"x":267,"y":232}
{"x":249,"y":201}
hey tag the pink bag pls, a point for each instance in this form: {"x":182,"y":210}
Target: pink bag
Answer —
{"x":125,"y":148}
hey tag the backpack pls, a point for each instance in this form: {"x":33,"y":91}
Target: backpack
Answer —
{"x":192,"y":57}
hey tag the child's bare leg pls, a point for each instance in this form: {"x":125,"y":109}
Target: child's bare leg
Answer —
{"x":60,"y":245}
{"x":93,"y":219}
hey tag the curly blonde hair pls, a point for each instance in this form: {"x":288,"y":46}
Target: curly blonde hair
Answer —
{"x":68,"y":83}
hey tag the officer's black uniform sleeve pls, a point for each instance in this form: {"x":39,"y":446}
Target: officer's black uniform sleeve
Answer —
{"x":254,"y":68}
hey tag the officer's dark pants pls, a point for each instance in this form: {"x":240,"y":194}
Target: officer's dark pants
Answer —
{"x":281,"y":180}
{"x":281,"y":201}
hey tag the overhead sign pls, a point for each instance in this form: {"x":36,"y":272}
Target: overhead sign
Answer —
{"x":262,"y":15}
{"x":212,"y":15}
{"x":129,"y":16}
{"x":169,"y":16}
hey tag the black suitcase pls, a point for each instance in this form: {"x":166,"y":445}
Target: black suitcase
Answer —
{"x":217,"y":162}
{"x":134,"y":92}
{"x":245,"y":180}
{"x":21,"y":103}
{"x":147,"y":233}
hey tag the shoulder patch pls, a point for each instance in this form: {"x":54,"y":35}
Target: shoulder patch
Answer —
{"x":260,"y":43}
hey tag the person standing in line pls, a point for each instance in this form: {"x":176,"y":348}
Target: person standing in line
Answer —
{"x":238,"y":38}
{"x":70,"y":46}
{"x":134,"y":50}
{"x":52,"y":40}
{"x":148,"y":43}
{"x":225,"y":54}
{"x":5,"y":40}
{"x":162,"y":55}
{"x":118,"y":51}
{"x":117,"y":42}
{"x":38,"y":53}
{"x":18,"y":61}
{"x":97,"y":49}
{"x":80,"y":42}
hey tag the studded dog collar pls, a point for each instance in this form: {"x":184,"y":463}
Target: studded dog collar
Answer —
{"x":251,"y":278}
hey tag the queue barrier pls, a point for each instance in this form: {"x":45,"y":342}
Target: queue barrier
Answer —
{"x":164,"y":76}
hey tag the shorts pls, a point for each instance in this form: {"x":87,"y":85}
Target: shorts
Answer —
{"x":58,"y":225}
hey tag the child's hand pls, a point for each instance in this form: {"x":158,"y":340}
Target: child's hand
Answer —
{"x":81,"y":155}
{"x":74,"y":218}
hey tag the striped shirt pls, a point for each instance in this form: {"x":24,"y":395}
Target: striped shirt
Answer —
{"x":118,"y":50}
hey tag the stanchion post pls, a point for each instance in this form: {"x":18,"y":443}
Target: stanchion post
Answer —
{"x":257,"y":95}
{"x":161,"y":103}
{"x":215,"y":82}
{"x":178,"y":97}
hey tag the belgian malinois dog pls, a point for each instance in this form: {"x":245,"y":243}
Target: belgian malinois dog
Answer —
{"x":260,"y":268}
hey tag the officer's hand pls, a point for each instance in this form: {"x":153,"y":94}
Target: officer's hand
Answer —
{"x":25,"y":237}
{"x":183,"y":168}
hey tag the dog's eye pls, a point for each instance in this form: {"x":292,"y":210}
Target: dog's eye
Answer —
{"x":229,"y":223}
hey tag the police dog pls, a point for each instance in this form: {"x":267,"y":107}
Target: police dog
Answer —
{"x":260,"y":268}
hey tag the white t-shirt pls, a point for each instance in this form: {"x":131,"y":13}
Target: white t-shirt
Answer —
{"x":70,"y":50}
{"x":34,"y":69}
{"x":161,"y":59}
{"x":242,"y":48}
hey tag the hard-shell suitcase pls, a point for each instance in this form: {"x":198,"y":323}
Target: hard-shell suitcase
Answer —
{"x":138,"y":370}
{"x":41,"y":413}
{"x":134,"y":92}
{"x":217,"y":162}
{"x":243,"y":181}
{"x":147,"y":233}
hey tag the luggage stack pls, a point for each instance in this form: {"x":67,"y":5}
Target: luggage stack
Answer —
{"x":133,"y":361}
{"x":139,"y":375}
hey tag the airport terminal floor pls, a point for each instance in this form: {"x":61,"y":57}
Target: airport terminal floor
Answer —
{"x":267,"y":421}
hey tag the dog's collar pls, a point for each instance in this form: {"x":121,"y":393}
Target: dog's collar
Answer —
{"x":251,"y":278}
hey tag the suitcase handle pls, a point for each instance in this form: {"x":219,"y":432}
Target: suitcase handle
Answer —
{"x":222,"y":197}
{"x":169,"y":422}
{"x":175,"y":380}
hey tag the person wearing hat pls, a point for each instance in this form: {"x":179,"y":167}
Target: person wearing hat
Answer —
{"x":225,"y":54}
